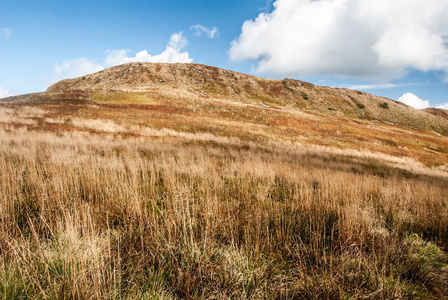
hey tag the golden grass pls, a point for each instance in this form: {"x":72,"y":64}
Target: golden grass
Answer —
{"x":120,"y":98}
{"x":194,"y":215}
{"x":182,"y":111}
{"x":184,"y":186}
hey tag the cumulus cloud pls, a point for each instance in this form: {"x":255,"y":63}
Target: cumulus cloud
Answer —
{"x":199,"y":30}
{"x":414,"y":101}
{"x":443,"y":106}
{"x":172,"y":53}
{"x":4,"y":93}
{"x":367,"y":39}
{"x":6,"y":32}
{"x":81,"y":66}
{"x":75,"y":67}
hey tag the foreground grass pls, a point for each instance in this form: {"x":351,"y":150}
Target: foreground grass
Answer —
{"x":93,"y":217}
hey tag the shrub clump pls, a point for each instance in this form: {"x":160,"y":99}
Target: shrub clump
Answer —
{"x":285,"y":85}
{"x":384,"y":105}
{"x":361,"y":106}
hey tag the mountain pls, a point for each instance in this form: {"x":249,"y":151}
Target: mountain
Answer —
{"x":206,"y":80}
{"x":141,"y":98}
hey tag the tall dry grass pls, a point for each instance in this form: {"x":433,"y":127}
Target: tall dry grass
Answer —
{"x":98,"y":217}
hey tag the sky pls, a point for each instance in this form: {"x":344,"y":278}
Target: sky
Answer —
{"x":396,"y":49}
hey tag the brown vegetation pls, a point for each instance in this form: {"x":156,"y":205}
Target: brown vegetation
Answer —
{"x":94,"y":217}
{"x":180,"y":193}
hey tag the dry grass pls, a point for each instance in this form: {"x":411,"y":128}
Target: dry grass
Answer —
{"x":180,"y":111}
{"x":178,"y":194}
{"x":123,"y":98}
{"x":193,"y":215}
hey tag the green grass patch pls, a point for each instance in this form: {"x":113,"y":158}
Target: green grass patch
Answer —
{"x":384,"y":105}
{"x":360,"y":105}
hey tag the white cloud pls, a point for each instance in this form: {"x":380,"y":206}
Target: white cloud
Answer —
{"x":4,"y":93}
{"x":172,"y":53}
{"x":199,"y":30}
{"x":414,"y":101}
{"x":6,"y":32}
{"x":74,"y":68}
{"x":443,"y":106}
{"x":368,"y":39}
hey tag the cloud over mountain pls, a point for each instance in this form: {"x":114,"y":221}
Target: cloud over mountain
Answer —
{"x":75,"y":67}
{"x":414,"y":101}
{"x":3,"y":92}
{"x":72,"y":68}
{"x":366,"y":39}
{"x":172,"y":53}
{"x":443,"y":106}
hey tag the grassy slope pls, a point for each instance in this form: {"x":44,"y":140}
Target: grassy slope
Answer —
{"x":177,"y":193}
{"x":205,"y":80}
{"x":94,"y":216}
{"x":182,"y":111}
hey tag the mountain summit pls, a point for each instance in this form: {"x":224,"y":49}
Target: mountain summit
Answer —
{"x":208,"y":81}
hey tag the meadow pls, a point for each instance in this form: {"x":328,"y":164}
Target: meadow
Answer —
{"x":100,"y":215}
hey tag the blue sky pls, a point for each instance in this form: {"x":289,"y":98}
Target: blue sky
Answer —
{"x":397,"y":49}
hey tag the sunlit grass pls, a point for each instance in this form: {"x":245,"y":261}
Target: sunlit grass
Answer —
{"x":171,"y":194}
{"x":121,"y":98}
{"x":89,"y":216}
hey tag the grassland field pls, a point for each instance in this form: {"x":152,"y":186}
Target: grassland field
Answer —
{"x":175,"y":197}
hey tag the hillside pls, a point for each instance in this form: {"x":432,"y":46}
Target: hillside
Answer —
{"x":158,"y":181}
{"x":288,"y":93}
{"x":144,"y":99}
{"x":438,"y":112}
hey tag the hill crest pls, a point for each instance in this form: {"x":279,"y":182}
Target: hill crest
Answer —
{"x":208,"y":81}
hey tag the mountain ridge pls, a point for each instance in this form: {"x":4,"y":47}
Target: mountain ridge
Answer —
{"x":208,"y":81}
